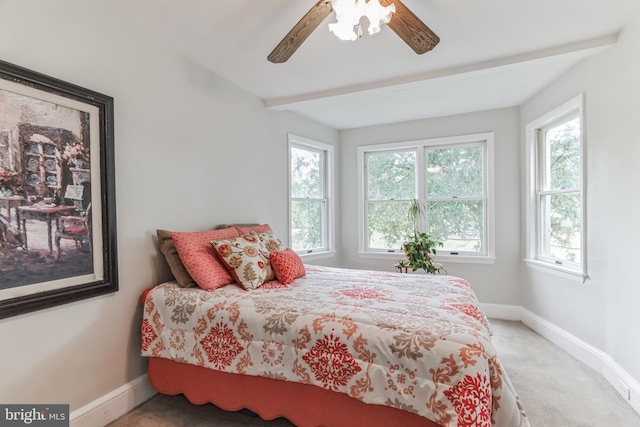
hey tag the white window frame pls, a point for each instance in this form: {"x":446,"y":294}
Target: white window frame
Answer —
{"x":488,"y":256}
{"x":295,"y":141}
{"x":533,"y":257}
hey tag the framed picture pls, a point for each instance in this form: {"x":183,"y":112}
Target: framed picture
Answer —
{"x":57,"y":194}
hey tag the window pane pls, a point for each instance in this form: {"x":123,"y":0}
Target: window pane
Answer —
{"x":561,"y":224}
{"x":563,"y":145}
{"x":306,"y":225}
{"x":459,"y":224}
{"x":306,"y":176}
{"x":391,"y":175}
{"x":454,"y":172}
{"x":388,"y":224}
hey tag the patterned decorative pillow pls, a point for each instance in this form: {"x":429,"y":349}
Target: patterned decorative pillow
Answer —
{"x":271,"y":242}
{"x":287,"y":265}
{"x":246,"y":259}
{"x":199,"y":258}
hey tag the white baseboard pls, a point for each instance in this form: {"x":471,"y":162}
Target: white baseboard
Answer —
{"x":502,"y":312}
{"x":620,"y":379}
{"x":113,"y":405}
{"x":596,"y":359}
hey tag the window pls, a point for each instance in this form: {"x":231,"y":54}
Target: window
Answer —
{"x":310,"y":188}
{"x":391,"y":185}
{"x":555,"y":224}
{"x":451,"y":177}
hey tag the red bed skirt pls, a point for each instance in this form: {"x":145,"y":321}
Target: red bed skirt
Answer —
{"x":302,"y":404}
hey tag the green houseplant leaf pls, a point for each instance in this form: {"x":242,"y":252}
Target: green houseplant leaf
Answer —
{"x":419,"y":246}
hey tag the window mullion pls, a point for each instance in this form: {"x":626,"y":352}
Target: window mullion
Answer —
{"x":559,"y":191}
{"x":309,"y":199}
{"x":421,"y":184}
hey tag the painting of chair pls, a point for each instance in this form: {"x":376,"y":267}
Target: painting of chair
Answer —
{"x":76,"y":228}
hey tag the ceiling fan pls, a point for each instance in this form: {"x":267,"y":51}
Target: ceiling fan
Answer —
{"x":404,"y":23}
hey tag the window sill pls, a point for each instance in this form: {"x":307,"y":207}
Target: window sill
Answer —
{"x":577,"y":276}
{"x":463,"y":259}
{"x":317,"y":255}
{"x":443,"y":259}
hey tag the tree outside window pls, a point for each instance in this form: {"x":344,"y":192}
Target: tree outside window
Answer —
{"x":309,"y":195}
{"x":559,"y":196}
{"x":555,"y":181}
{"x":391,"y":185}
{"x":448,"y":176}
{"x":455,"y":197}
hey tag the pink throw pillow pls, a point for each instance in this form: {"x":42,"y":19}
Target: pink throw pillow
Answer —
{"x":199,"y":257}
{"x":287,"y":265}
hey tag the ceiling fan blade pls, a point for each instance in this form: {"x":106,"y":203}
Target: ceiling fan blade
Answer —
{"x":410,"y":28}
{"x":300,"y":32}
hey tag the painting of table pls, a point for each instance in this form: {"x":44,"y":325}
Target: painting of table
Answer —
{"x":11,"y":203}
{"x":41,"y":213}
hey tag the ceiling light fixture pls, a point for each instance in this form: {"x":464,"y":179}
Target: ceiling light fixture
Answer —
{"x":349,"y":13}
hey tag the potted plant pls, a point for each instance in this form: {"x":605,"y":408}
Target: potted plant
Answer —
{"x":419,"y":246}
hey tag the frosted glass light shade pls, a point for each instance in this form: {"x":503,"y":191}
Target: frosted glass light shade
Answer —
{"x":349,"y":13}
{"x":343,"y":30}
{"x":378,"y":15}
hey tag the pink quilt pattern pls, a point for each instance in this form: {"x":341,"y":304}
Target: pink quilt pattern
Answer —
{"x":415,"y":342}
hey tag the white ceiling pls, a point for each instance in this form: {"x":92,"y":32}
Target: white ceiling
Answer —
{"x":492,"y":53}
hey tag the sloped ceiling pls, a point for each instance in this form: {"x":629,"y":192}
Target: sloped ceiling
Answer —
{"x":492,"y":53}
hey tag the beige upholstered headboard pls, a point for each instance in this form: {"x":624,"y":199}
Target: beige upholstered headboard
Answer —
{"x":222,"y":226}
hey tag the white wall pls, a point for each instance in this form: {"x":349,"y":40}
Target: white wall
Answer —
{"x":603,"y":311}
{"x":192,"y":151}
{"x":493,"y":283}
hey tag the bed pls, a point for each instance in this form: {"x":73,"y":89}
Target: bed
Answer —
{"x":334,"y":347}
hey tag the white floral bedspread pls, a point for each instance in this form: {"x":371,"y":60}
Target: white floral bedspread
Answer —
{"x":416,"y":342}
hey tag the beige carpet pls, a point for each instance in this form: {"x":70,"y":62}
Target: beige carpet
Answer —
{"x":555,"y":389}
